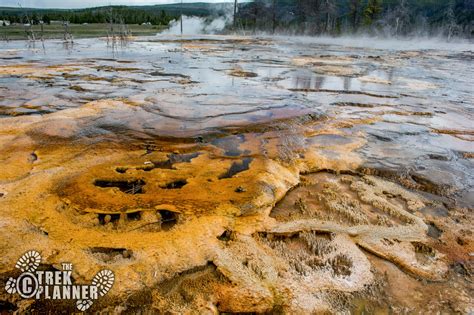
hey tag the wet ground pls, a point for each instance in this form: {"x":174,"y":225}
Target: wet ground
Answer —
{"x":238,"y":174}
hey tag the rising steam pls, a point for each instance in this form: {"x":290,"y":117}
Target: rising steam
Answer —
{"x":193,"y":25}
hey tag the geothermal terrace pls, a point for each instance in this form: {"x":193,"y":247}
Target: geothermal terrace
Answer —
{"x":241,"y":174}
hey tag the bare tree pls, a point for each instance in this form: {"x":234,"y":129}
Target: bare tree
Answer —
{"x":329,"y":9}
{"x":450,"y":20}
{"x":111,"y":31}
{"x":118,"y":31}
{"x":235,"y":14}
{"x":5,"y":33}
{"x":312,"y":9}
{"x":181,"y":17}
{"x":402,"y":17}
{"x":274,"y":9}
{"x":67,"y":36}
{"x":41,"y":30}
{"x":30,"y":34}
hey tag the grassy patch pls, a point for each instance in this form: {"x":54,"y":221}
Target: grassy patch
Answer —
{"x":55,"y":31}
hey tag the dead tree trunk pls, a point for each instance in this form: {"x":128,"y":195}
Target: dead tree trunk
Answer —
{"x":235,"y":14}
{"x":181,"y":18}
{"x":274,"y":17}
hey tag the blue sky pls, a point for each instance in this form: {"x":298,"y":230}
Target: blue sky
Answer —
{"x":85,"y":3}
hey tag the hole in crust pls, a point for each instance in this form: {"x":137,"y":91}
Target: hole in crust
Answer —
{"x":134,"y":216}
{"x":121,"y":170}
{"x":106,"y":218}
{"x":236,"y":168}
{"x":168,"y":219}
{"x":434,"y":231}
{"x":129,"y":187}
{"x":168,"y":164}
{"x":226,"y":236}
{"x":33,"y":157}
{"x":175,"y":185}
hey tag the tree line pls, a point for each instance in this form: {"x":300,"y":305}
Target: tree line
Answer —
{"x":383,"y":17}
{"x":116,"y":14}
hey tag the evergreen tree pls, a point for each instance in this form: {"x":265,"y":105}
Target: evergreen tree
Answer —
{"x":354,"y":14}
{"x":46,"y":19}
{"x":372,"y":11}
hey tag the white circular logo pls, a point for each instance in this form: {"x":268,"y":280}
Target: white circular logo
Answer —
{"x":27,"y":285}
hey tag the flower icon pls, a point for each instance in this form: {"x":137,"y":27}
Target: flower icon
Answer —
{"x":104,"y":280}
{"x":10,"y":286}
{"x":29,"y":261}
{"x":83,"y":305}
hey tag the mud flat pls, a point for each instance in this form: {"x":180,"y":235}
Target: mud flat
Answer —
{"x":235,"y":174}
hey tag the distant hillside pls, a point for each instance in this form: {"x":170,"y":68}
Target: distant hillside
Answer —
{"x":154,"y":14}
{"x":197,"y":8}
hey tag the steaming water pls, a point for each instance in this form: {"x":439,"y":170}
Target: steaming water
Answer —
{"x":412,"y":43}
{"x":193,"y":25}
